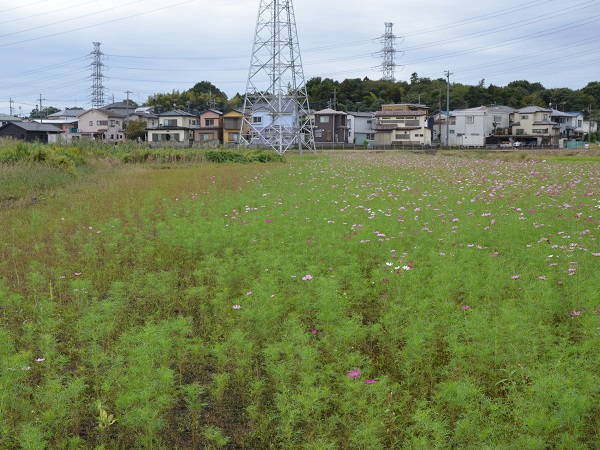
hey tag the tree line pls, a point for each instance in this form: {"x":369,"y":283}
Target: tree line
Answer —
{"x":364,"y":95}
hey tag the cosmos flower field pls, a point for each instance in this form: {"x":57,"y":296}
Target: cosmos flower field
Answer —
{"x":341,"y":301}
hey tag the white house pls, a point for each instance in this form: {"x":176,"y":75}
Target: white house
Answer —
{"x":477,"y":127}
{"x":360,"y":127}
{"x":102,"y":125}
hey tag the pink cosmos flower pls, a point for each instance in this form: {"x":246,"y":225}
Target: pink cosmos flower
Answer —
{"x":354,"y":373}
{"x":370,"y":381}
{"x":40,"y":359}
{"x":595,"y":254}
{"x":516,"y":277}
{"x":465,"y":307}
{"x":307,"y":277}
{"x":575,"y":313}
{"x":237,"y":307}
{"x":314,"y":331}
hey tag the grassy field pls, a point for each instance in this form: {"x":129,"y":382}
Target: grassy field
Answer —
{"x":340,"y":301}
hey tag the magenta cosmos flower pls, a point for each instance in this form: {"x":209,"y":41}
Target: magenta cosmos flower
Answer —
{"x":354,"y":373}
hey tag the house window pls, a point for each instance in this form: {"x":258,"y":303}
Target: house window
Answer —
{"x":580,"y":123}
{"x":497,"y":119}
{"x":235,"y":137}
{"x":324,"y":119}
{"x":525,"y":117}
{"x":318,"y":133}
{"x":545,"y":116}
{"x":91,"y":124}
{"x":256,"y":119}
{"x":113,"y":123}
{"x":470,"y":119}
{"x":209,"y":122}
{"x":102,"y":123}
{"x":170,"y":122}
{"x":370,"y":136}
{"x":451,"y":131}
{"x":403,"y":137}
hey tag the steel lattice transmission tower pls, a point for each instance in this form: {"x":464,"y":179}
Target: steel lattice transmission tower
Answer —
{"x":97,"y":77}
{"x":276,"y":110}
{"x":389,"y":52}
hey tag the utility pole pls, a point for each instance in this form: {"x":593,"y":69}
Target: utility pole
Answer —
{"x":335,"y":99}
{"x":440,"y":117}
{"x":127,"y":110}
{"x":10,"y":102}
{"x":447,"y":73}
{"x":41,"y":115}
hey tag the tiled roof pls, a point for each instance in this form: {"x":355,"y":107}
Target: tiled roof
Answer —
{"x":176,"y":112}
{"x":399,"y":113}
{"x":34,"y":126}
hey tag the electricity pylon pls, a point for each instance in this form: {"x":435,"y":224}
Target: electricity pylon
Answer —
{"x":276,"y":112}
{"x":389,"y":52}
{"x":97,"y":77}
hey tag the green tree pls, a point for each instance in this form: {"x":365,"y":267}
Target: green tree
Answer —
{"x":136,"y":130}
{"x":35,"y":113}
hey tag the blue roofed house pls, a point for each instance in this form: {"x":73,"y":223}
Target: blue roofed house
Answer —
{"x":266,"y":124}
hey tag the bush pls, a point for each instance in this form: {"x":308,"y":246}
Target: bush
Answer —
{"x":223,"y":156}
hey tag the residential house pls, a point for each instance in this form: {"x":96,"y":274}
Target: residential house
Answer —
{"x":144,"y":114}
{"x":360,"y":127}
{"x":272,"y":126}
{"x":175,"y":126}
{"x":68,"y":126}
{"x":570,"y":123}
{"x":590,"y":126}
{"x":30,"y":132}
{"x":66,"y":114}
{"x":477,"y":127}
{"x":5,"y":118}
{"x":402,"y":124}
{"x":122,"y":108}
{"x":102,"y":125}
{"x":210,"y":126}
{"x":330,"y":126}
{"x":232,"y":124}
{"x":534,"y":126}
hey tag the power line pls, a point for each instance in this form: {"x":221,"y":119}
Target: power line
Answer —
{"x":44,"y":13}
{"x":22,"y":6}
{"x":97,"y":24}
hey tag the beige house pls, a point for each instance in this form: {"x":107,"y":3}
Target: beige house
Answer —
{"x":174,"y":126}
{"x":402,"y":124}
{"x":232,"y":124}
{"x":533,"y":125}
{"x":210,"y":126}
{"x":102,"y":125}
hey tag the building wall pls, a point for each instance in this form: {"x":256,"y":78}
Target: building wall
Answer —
{"x":93,"y":121}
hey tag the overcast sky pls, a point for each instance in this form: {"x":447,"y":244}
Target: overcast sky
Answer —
{"x":155,"y":46}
